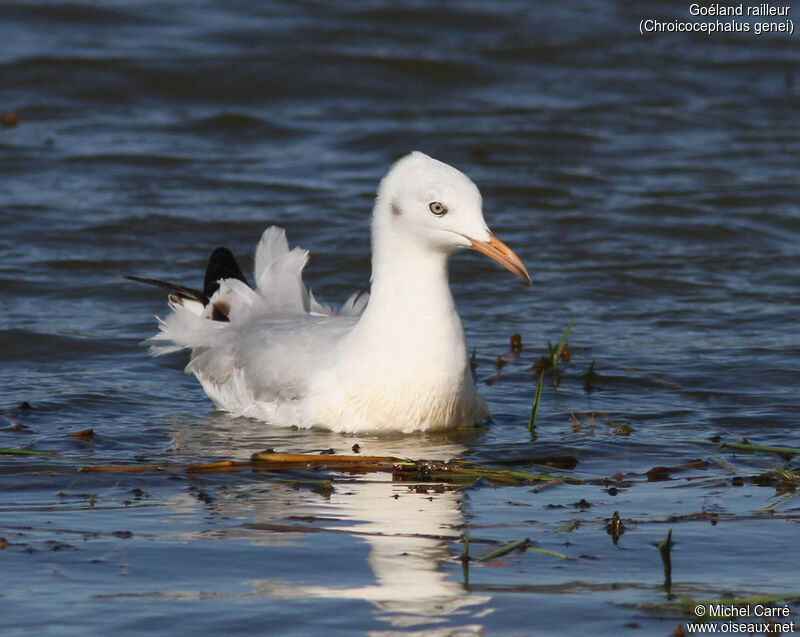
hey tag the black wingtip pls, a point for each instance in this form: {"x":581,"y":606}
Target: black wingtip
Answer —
{"x":221,"y":265}
{"x":180,"y":290}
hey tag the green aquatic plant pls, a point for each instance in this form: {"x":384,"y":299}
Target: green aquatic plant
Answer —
{"x":522,"y":545}
{"x":559,"y":352}
{"x":563,"y":556}
{"x":506,"y":549}
{"x":784,"y":451}
{"x":589,"y":376}
{"x":556,"y":354}
{"x":26,"y":452}
{"x":535,"y":407}
{"x":664,"y":548}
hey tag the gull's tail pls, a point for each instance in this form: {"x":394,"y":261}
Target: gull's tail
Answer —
{"x":210,"y":321}
{"x":221,"y":265}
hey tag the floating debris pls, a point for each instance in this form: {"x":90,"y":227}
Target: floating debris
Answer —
{"x":615,"y":527}
{"x":589,"y":377}
{"x":84,"y":434}
{"x":402,"y":469}
{"x":623,"y":430}
{"x":8,"y":120}
{"x":660,"y":474}
{"x":520,"y":545}
{"x":568,"y":527}
{"x":26,"y":452}
{"x":746,"y":446}
{"x":563,"y":556}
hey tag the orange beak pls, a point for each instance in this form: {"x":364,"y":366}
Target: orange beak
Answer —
{"x":500,"y":252}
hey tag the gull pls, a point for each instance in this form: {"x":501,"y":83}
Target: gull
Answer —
{"x":391,"y":360}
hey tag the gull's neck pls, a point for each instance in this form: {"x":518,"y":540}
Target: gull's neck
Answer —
{"x":409,"y":279}
{"x":411,"y":311}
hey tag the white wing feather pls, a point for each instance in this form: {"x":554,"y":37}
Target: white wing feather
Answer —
{"x":287,"y":333}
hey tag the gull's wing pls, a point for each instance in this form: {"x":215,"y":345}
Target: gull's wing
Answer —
{"x":254,"y":344}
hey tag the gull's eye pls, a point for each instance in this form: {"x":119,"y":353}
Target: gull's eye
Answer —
{"x":437,"y":208}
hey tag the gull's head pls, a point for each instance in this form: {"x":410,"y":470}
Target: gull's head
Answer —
{"x":431,"y":204}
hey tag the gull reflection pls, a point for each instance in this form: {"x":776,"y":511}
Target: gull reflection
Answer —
{"x":406,"y":526}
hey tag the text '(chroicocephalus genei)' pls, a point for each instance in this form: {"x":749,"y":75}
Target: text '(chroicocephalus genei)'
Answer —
{"x":393,"y":360}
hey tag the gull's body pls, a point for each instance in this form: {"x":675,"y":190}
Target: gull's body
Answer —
{"x":395,"y":361}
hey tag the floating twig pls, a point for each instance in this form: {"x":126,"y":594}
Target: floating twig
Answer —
{"x":505,"y":549}
{"x":127,"y":468}
{"x":27,"y":452}
{"x":568,"y":527}
{"x":785,"y":451}
{"x":770,"y":510}
{"x":84,"y":434}
{"x":615,"y":527}
{"x":423,"y":470}
{"x":562,"y":556}
{"x":725,"y":465}
{"x":223,"y":466}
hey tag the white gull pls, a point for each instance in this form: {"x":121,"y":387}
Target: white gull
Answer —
{"x":393,"y":360}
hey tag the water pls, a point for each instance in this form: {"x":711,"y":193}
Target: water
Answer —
{"x":650,"y":185}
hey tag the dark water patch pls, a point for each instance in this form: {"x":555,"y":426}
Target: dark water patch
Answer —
{"x":134,"y":160}
{"x":238,"y":126}
{"x":175,"y":227}
{"x":569,"y":54}
{"x":91,"y":79}
{"x":21,"y":345}
{"x":403,"y":19}
{"x":417,"y":71}
{"x":748,"y":201}
{"x":219,"y":80}
{"x":74,"y":14}
{"x":78,"y":266}
{"x":22,"y":285}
